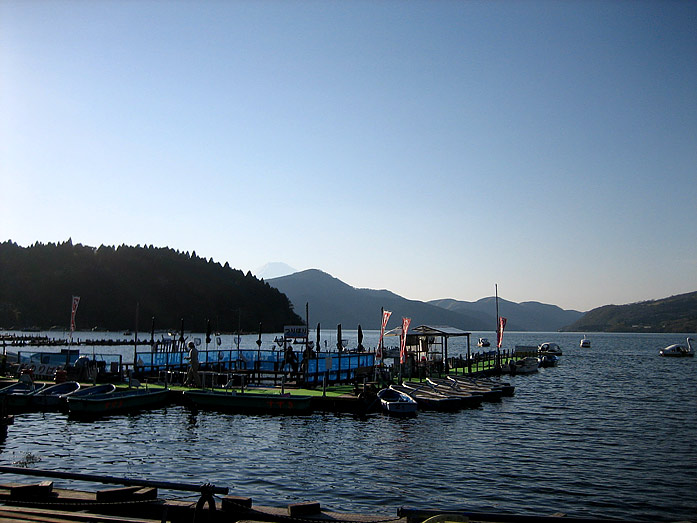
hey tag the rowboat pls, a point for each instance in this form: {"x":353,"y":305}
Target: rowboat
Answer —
{"x":20,"y":387}
{"x":50,"y":397}
{"x":117,"y":401}
{"x":506,"y":388}
{"x":18,"y":396}
{"x":104,"y":388}
{"x":395,"y":402}
{"x":446,"y":386}
{"x":467,"y":399}
{"x":428,"y":400}
{"x":249,"y":401}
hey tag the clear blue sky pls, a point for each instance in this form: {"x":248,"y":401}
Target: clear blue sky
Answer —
{"x":429,"y":148}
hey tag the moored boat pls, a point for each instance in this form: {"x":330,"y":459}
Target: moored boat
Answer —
{"x":548,"y":360}
{"x":394,"y":402}
{"x":50,"y":397}
{"x":104,"y":388}
{"x":527,"y":365}
{"x":249,"y":401}
{"x":678,"y":351}
{"x":506,"y":388}
{"x":20,"y":387}
{"x":483,"y":342}
{"x":18,"y":397}
{"x":549,"y":348}
{"x":117,"y":401}
{"x":585,"y":343}
{"x":428,"y":400}
{"x":446,"y":386}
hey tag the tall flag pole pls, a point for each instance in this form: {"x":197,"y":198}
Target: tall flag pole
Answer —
{"x":385,"y":317}
{"x":76,"y":302}
{"x":403,"y":345}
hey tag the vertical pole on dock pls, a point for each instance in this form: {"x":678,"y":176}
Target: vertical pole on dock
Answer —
{"x":498,"y":348}
{"x":135,"y":338}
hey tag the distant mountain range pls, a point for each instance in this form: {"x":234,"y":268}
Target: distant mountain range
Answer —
{"x":674,"y":314}
{"x":332,"y":301}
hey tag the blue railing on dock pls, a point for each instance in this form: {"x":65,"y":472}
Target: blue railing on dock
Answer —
{"x":342,"y":366}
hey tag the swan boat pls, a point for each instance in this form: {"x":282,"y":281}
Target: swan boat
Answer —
{"x":678,"y":351}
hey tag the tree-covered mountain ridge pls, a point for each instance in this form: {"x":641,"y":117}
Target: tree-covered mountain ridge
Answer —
{"x":126,"y":287}
{"x":673,"y":314}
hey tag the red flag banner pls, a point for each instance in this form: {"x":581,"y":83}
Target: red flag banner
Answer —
{"x":385,"y":317}
{"x":76,"y":302}
{"x":499,"y":331}
{"x":403,"y":346}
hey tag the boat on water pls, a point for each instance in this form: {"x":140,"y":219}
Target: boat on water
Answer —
{"x":51,"y":396}
{"x":249,"y":401}
{"x":483,"y":342}
{"x":446,"y":386}
{"x":20,"y":387}
{"x":104,"y":388}
{"x":506,"y":388}
{"x":548,"y":360}
{"x":585,"y":343}
{"x":117,"y":401}
{"x":549,"y":348}
{"x":18,"y":395}
{"x":394,"y":402}
{"x":429,"y":400}
{"x":527,"y":365}
{"x":678,"y":351}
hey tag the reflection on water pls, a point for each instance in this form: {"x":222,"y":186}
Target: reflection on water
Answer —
{"x":611,"y":432}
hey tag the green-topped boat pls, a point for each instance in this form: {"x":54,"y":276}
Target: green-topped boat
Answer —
{"x":117,"y":401}
{"x":249,"y":401}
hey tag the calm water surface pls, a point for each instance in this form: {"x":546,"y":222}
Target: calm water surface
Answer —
{"x":611,"y":432}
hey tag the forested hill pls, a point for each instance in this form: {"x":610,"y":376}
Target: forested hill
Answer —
{"x":37,"y":284}
{"x":674,"y":314}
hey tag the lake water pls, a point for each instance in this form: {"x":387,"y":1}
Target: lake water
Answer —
{"x":610,"y":432}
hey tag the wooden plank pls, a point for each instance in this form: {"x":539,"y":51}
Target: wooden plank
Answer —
{"x":39,"y":490}
{"x":38,"y":515}
{"x":117,"y":494}
{"x":304,"y":509}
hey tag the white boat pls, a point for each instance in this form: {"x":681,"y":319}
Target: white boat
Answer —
{"x":483,"y":342}
{"x":395,"y":402}
{"x":527,"y":365}
{"x":585,"y":343}
{"x":549,"y":348}
{"x":678,"y":351}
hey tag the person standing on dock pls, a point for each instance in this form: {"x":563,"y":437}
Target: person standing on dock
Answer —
{"x":192,"y":376}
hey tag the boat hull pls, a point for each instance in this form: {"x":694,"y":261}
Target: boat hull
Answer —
{"x":116,"y":402}
{"x":249,"y":402}
{"x":394,"y":402}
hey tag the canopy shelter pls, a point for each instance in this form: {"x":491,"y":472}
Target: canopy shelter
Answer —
{"x":431,"y":342}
